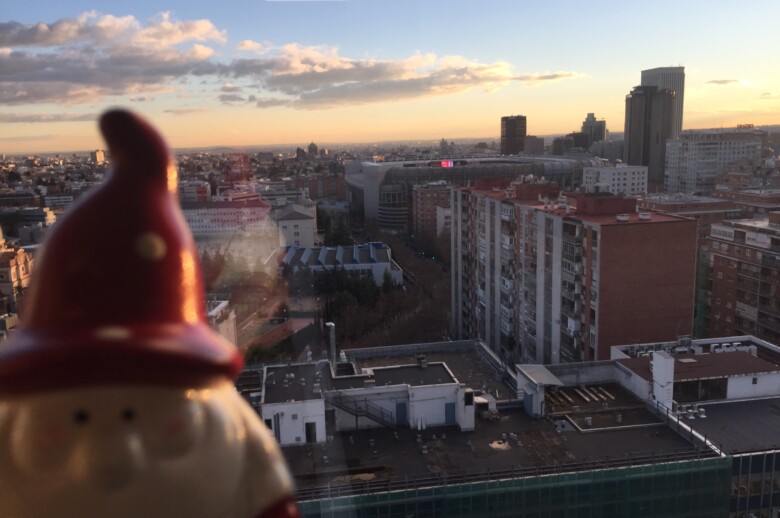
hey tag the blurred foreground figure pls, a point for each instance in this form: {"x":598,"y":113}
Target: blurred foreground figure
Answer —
{"x":116,"y":398}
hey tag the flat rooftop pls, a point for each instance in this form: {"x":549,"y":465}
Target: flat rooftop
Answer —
{"x":381,"y":456}
{"x":742,"y":426}
{"x":295,"y":382}
{"x":689,"y":367}
{"x":466,"y":365}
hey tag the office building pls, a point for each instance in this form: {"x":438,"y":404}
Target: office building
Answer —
{"x":698,"y":157}
{"x":649,"y":123}
{"x":745,"y":278}
{"x":595,"y":129}
{"x":563,"y":279}
{"x":669,"y":78}
{"x":513,"y":131}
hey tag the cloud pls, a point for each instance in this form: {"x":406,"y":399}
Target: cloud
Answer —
{"x":185,"y":111}
{"x":232,"y":98}
{"x":767,"y":96}
{"x":11,"y":118}
{"x":254,"y":46}
{"x":722,"y":81}
{"x":87,"y":58}
{"x":318,"y":77}
{"x":95,"y":56}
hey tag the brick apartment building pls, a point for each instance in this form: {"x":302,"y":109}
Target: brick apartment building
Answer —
{"x":425,"y":199}
{"x":745,"y":278}
{"x":549,"y":279}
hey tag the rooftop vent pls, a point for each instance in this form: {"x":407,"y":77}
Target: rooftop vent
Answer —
{"x":645,"y":216}
{"x":623,"y":218}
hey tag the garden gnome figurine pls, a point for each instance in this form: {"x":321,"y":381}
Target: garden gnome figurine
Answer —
{"x":116,"y":398}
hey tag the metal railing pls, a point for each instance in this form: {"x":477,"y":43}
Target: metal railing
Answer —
{"x":361,"y":408}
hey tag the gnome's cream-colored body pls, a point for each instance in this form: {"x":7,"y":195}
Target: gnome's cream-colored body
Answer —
{"x":140,"y":451}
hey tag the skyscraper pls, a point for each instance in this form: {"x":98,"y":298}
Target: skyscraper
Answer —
{"x":670,"y":78}
{"x":595,"y":129}
{"x":649,"y":122}
{"x":513,"y":131}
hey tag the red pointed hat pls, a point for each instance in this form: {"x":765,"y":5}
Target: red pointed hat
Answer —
{"x":116,"y":295}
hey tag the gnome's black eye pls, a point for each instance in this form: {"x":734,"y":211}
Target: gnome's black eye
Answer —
{"x":81,"y":416}
{"x":128,"y":414}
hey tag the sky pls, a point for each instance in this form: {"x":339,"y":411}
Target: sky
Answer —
{"x":292,"y":72}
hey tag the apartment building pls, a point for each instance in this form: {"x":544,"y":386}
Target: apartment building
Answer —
{"x":551,"y":279}
{"x":426,"y":200}
{"x":745,"y":278}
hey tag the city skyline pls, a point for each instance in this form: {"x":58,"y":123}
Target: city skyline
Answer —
{"x":287,"y":73}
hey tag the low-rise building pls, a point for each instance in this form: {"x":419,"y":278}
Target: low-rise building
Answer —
{"x":228,"y":218}
{"x":625,"y":180}
{"x":372,"y":260}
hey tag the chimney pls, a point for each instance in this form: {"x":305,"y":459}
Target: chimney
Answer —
{"x":422,"y":361}
{"x":333,"y":358}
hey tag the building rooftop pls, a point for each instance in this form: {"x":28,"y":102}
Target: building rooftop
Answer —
{"x":236,"y":204}
{"x":294,"y":215}
{"x":465,"y":359}
{"x":742,"y":426}
{"x":371,"y":253}
{"x":703,"y":366}
{"x":514,"y":443}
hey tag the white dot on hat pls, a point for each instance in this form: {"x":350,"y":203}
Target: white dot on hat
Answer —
{"x":150,"y":246}
{"x":112,"y":333}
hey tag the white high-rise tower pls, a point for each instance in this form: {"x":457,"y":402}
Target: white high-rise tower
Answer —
{"x":670,"y":78}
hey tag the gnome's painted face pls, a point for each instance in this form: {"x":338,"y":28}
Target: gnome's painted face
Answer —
{"x":136,"y":451}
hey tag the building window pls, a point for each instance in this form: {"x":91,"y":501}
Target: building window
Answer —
{"x":755,"y":381}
